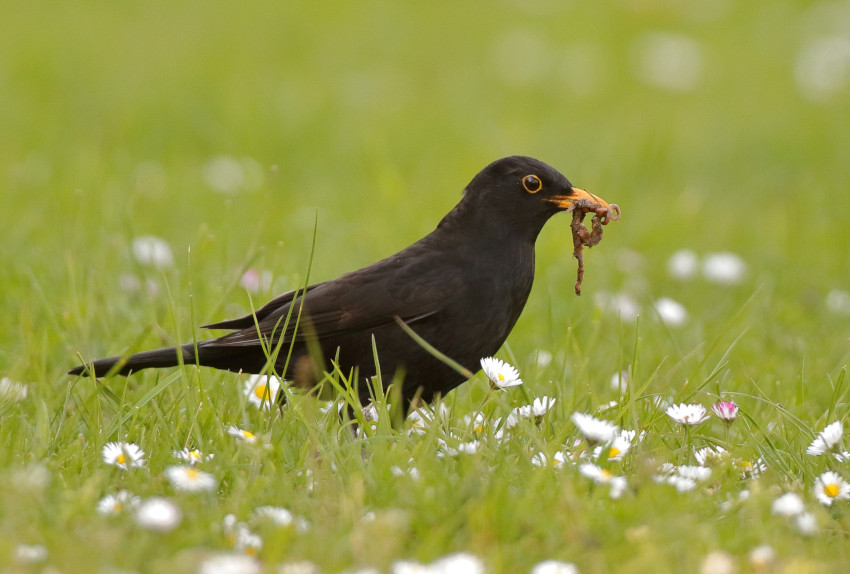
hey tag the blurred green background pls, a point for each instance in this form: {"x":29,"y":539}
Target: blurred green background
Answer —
{"x":230,"y":129}
{"x":715,"y":125}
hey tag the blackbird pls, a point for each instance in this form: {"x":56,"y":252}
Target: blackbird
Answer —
{"x":461,"y":288}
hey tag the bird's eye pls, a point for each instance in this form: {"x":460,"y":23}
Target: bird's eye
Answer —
{"x":532,"y":183}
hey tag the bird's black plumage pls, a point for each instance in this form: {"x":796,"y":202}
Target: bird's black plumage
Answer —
{"x":461,"y":288}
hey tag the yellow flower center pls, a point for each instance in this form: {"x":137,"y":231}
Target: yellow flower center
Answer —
{"x":121,"y":459}
{"x":606,"y":473}
{"x":613,"y":452}
{"x":195,"y":455}
{"x":501,"y":377}
{"x":831,"y":490}
{"x":260,"y":391}
{"x":479,"y":429}
{"x":251,"y":551}
{"x":247,"y":434}
{"x":556,"y":463}
{"x":192,"y":473}
{"x":117,"y":507}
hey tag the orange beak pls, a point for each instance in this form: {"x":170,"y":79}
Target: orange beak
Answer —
{"x":587,"y":202}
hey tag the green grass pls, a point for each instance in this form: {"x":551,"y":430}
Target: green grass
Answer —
{"x":369,"y":119}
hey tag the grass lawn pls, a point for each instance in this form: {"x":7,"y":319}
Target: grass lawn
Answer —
{"x":228,"y":132}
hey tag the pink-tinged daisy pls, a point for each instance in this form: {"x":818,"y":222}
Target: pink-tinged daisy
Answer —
{"x":789,"y":504}
{"x":687,"y":414}
{"x":114,"y":504}
{"x":828,"y":438}
{"x":124,"y":455}
{"x":241,"y":434}
{"x":190,"y":479}
{"x":261,"y":390}
{"x":159,"y":514}
{"x":594,"y":429}
{"x":830,"y":486}
{"x":193,"y":456}
{"x":501,"y":374}
{"x":727,"y":411}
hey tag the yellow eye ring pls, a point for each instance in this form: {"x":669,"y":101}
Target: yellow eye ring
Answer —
{"x":532,"y":183}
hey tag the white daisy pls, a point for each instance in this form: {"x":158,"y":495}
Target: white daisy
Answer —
{"x":299,"y":567}
{"x":724,"y":268}
{"x":151,"y":250}
{"x":600,"y":475}
{"x":620,"y":382}
{"x":789,"y":504}
{"x":261,"y":390}
{"x":806,"y":523}
{"x":459,"y":563}
{"x":827,"y":439}
{"x":710,"y":455}
{"x":501,"y":374}
{"x":192,"y":457}
{"x":30,"y":553}
{"x":672,"y":313}
{"x":470,"y":447}
{"x":762,"y":557}
{"x":615,"y":450}
{"x":559,"y":460}
{"x":750,"y":470}
{"x":113,"y":504}
{"x":536,"y":410}
{"x":190,"y":479}
{"x":687,"y":414}
{"x":697,"y":473}
{"x":830,"y":486}
{"x":593,"y":429}
{"x":240,"y":536}
{"x":554,"y":567}
{"x":477,"y":423}
{"x":230,"y":563}
{"x":683,"y":264}
{"x":124,"y":455}
{"x":247,"y":436}
{"x":281,"y":517}
{"x":159,"y":514}
{"x":12,"y":390}
{"x":718,"y":562}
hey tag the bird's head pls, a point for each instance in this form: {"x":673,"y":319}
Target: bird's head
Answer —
{"x":523,"y":193}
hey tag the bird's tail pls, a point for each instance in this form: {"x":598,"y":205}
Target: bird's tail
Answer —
{"x":167,"y":357}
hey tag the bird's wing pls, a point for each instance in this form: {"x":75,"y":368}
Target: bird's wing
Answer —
{"x":261,"y":313}
{"x":408,"y":285}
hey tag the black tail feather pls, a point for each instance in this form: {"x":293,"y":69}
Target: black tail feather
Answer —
{"x":167,"y":357}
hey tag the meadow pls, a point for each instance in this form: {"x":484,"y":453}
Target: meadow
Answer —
{"x":165,"y":165}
